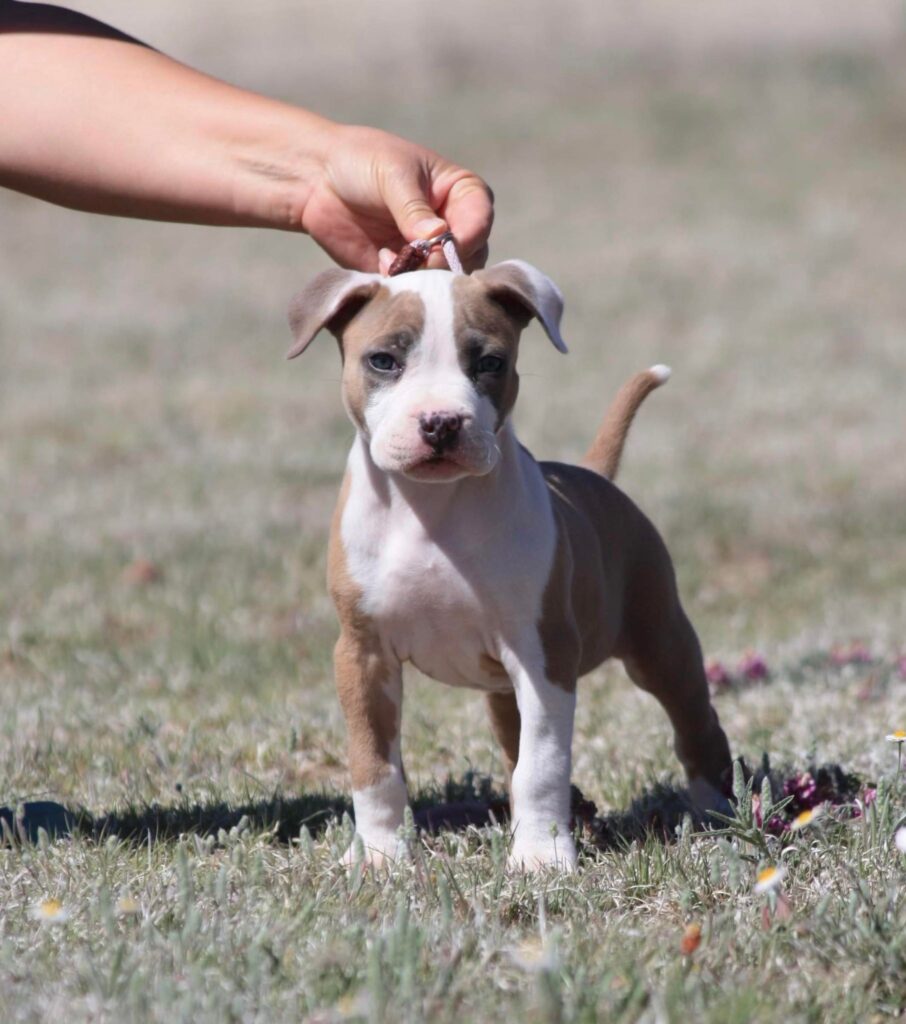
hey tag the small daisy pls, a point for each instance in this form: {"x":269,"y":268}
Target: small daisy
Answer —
{"x":50,"y":912}
{"x":897,"y":736}
{"x":769,"y":879}
{"x":533,"y":955}
{"x":126,"y":906}
{"x":900,"y":839}
{"x":806,"y":818}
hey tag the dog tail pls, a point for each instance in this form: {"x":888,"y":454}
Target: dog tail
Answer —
{"x":604,"y":454}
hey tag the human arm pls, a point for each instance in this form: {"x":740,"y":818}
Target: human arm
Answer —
{"x":97,"y":121}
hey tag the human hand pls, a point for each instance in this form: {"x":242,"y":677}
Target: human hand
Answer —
{"x":202,"y":151}
{"x":375,"y":191}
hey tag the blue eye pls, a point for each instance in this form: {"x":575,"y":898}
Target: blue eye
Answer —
{"x":383,"y":362}
{"x":490,"y":364}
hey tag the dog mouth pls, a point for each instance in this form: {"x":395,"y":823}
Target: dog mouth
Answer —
{"x":438,"y":466}
{"x":430,"y":464}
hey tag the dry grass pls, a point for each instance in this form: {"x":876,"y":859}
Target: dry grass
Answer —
{"x":735,"y":211}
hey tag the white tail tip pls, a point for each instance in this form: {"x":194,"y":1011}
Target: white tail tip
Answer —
{"x":661,"y":373}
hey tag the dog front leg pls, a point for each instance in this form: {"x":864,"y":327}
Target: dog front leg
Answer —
{"x":540,"y":781}
{"x":370,"y":687}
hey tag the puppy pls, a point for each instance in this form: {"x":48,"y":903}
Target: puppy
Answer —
{"x":453,"y":549}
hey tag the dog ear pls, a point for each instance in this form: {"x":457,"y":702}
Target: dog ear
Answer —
{"x":519,"y":283}
{"x":325,"y":301}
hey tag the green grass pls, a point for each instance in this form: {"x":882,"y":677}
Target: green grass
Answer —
{"x":738,"y":216}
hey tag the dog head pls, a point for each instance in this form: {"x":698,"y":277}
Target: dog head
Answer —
{"x":429,"y":358}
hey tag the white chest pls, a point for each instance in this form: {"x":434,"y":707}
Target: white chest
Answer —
{"x":451,"y":584}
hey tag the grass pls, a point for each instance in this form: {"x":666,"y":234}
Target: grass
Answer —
{"x":735,"y":214}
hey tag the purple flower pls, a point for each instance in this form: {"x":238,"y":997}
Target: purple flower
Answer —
{"x":776,"y":826}
{"x":855,"y":653}
{"x":718,"y":676}
{"x":753,"y":667}
{"x":803,"y":789}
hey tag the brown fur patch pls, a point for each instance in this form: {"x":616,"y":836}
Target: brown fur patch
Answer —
{"x":560,"y":638}
{"x":598,"y":521}
{"x":506,"y":724}
{"x":311,"y":309}
{"x":482,"y":326}
{"x":623,"y":601}
{"x":492,"y":667}
{"x":388,"y":323}
{"x":607,"y":448}
{"x":362,"y":670}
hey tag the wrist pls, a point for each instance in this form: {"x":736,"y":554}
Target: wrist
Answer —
{"x":278,"y":165}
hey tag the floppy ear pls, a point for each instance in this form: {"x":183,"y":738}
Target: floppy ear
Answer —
{"x":536,"y":293}
{"x":323,"y":300}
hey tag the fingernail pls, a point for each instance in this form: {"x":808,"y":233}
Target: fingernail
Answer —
{"x":428,"y":227}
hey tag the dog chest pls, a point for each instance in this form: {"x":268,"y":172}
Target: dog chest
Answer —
{"x":450,"y":575}
{"x":434,"y":608}
{"x":447,"y":604}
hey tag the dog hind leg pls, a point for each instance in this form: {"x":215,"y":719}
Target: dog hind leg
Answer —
{"x":667,"y":663}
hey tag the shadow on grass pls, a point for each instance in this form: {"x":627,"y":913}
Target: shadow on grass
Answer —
{"x":472,"y":801}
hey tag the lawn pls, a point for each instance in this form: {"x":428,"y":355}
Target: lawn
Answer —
{"x":735,"y":210}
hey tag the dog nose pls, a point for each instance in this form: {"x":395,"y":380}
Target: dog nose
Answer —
{"x":439,"y":429}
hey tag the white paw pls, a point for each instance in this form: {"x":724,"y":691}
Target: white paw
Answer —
{"x":373,"y":854}
{"x":539,"y":855}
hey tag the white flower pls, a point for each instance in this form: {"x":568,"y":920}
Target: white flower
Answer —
{"x":534,"y":955}
{"x":897,"y":736}
{"x":50,"y":912}
{"x":806,"y":818}
{"x":900,"y":839}
{"x":768,"y":879}
{"x":126,"y":906}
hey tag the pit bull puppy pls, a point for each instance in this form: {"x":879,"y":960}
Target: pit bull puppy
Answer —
{"x":453,"y":549}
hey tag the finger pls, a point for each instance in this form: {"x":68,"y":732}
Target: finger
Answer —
{"x":469,"y":209}
{"x":476,"y":261}
{"x":385,"y":260}
{"x":437,"y":260}
{"x":405,"y":194}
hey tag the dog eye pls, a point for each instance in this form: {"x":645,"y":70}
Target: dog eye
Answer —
{"x":383,"y":362}
{"x":490,"y":364}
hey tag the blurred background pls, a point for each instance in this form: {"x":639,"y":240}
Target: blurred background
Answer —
{"x":718,"y":187}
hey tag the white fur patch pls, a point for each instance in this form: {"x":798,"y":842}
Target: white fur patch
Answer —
{"x":433,"y":382}
{"x":540,"y":784}
{"x":378,"y":815}
{"x":449,"y":571}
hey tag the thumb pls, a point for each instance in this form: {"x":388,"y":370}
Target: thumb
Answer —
{"x":408,"y":205}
